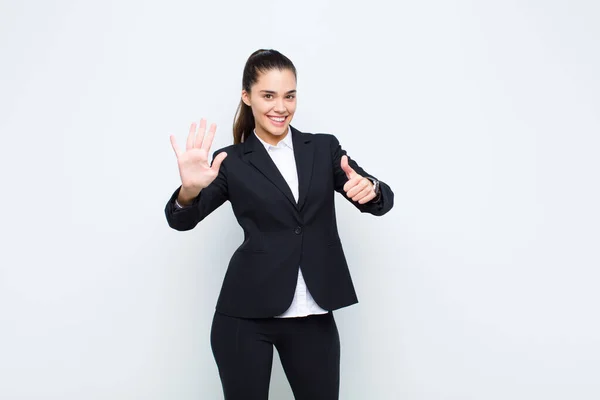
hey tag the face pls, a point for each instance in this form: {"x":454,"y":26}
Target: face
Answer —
{"x":273,"y":102}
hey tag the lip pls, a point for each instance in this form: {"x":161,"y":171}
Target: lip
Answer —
{"x":278,"y":124}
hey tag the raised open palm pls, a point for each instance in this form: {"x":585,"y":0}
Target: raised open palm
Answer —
{"x":194,"y":168}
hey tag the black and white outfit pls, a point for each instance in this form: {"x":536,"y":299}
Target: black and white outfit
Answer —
{"x":290,"y":273}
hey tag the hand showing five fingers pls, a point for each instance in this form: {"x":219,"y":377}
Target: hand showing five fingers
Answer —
{"x":357,"y":188}
{"x":194,"y":168}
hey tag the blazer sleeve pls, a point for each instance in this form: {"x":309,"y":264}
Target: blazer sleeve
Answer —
{"x":379,"y":207}
{"x":209,"y":199}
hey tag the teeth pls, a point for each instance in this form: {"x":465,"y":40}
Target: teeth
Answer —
{"x":281,"y":119}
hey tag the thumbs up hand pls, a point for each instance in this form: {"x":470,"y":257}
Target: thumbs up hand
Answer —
{"x":357,"y":188}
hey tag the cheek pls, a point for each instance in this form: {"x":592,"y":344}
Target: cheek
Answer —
{"x":291,"y":108}
{"x":261,"y":110}
{"x":258,"y":111}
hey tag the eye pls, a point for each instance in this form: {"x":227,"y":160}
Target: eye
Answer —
{"x":291,"y":96}
{"x":268,"y":96}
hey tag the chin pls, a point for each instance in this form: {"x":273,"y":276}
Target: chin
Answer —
{"x":278,"y":131}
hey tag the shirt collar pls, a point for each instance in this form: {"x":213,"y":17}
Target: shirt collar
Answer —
{"x":285,"y":142}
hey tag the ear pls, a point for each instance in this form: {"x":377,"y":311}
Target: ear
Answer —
{"x":246,"y":98}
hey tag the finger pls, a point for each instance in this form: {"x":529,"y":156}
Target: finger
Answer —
{"x":347,"y":168}
{"x":200,"y":135}
{"x":216,"y":164}
{"x":367,"y":198}
{"x":209,"y":137}
{"x":350,"y":184}
{"x":362,"y":193}
{"x":353,"y":182}
{"x":174,"y":145}
{"x":190,"y":139}
{"x":359,"y":187}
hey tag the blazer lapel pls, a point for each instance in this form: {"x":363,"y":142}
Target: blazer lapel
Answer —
{"x":304,"y":154}
{"x":257,"y":155}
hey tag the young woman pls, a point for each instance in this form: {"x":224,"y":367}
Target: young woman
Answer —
{"x":290,"y":273}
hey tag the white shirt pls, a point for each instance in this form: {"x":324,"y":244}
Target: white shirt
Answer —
{"x":282,"y":155}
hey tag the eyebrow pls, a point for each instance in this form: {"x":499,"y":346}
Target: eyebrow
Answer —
{"x":274,"y":92}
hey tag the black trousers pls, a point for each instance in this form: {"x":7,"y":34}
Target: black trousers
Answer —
{"x":309,"y":349}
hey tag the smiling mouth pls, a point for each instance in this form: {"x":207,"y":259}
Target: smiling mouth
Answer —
{"x":277,"y":119}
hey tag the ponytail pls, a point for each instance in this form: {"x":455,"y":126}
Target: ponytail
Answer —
{"x":243,"y":123}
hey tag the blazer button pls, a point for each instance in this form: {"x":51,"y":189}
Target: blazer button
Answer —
{"x":298,"y":230}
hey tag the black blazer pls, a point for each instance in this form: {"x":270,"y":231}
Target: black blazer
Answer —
{"x":281,"y":235}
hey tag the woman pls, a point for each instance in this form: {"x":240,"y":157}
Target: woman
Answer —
{"x":290,"y":273}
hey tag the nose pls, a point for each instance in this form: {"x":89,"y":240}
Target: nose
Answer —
{"x":279,"y":106}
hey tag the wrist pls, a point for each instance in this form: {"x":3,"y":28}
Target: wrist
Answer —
{"x":376,"y":189}
{"x":187,"y":195}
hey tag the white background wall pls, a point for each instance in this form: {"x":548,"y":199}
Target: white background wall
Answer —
{"x":481,"y":283}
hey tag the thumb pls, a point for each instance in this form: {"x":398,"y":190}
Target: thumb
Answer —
{"x":347,"y":168}
{"x":216,"y":164}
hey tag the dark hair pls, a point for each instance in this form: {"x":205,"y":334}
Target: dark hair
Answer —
{"x":260,"y":61}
